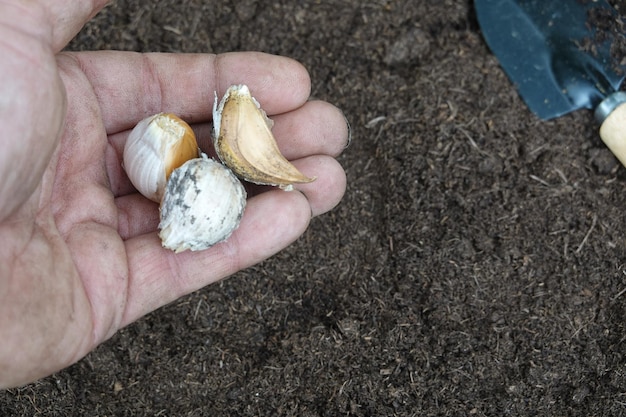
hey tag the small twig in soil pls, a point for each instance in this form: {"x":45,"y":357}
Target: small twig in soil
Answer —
{"x":593,"y":224}
{"x":619,"y":294}
{"x":539,"y":180}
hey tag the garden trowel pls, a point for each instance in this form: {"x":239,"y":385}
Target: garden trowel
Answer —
{"x":559,"y":59}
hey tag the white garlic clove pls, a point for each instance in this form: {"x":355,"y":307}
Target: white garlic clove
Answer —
{"x":155,"y":147}
{"x":243,"y":140}
{"x":202,"y":205}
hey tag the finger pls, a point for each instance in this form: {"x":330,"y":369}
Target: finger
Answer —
{"x":316,"y":128}
{"x":328,"y":188}
{"x":158,"y":276}
{"x":131,"y":86}
{"x":138,"y":215}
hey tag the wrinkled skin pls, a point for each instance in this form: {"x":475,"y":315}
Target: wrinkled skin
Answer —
{"x":79,"y":253}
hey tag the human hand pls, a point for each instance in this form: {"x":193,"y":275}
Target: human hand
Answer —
{"x":80,"y":256}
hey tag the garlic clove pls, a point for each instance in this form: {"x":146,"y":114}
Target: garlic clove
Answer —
{"x":155,"y":147}
{"x":243,"y":140}
{"x":202,"y":205}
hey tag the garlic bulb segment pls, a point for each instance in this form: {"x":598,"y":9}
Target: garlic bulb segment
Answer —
{"x":243,"y":140}
{"x":155,"y":147}
{"x":202,"y":205}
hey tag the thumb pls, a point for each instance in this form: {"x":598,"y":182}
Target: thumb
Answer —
{"x":66,"y":18}
{"x":32,"y":105}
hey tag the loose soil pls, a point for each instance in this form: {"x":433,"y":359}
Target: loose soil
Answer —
{"x":476,"y":266}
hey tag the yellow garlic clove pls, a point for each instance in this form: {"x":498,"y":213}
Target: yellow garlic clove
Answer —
{"x":244,"y":141}
{"x":202,"y":205}
{"x":155,"y":147}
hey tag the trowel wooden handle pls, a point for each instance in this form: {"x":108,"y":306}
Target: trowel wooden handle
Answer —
{"x":613,"y":132}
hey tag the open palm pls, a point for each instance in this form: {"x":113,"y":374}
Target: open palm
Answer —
{"x":80,"y":257}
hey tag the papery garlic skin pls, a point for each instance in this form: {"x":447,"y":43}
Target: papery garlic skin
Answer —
{"x":202,"y":205}
{"x":155,"y":147}
{"x":244,"y":142}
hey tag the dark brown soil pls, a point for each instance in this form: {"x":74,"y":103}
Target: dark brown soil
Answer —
{"x":476,"y":266}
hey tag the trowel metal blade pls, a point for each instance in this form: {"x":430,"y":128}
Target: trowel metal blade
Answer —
{"x":543,"y":46}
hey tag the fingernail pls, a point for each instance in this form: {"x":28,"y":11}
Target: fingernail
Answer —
{"x":349,"y":131}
